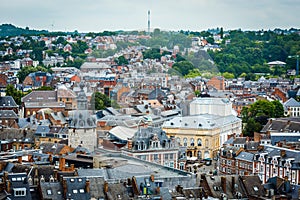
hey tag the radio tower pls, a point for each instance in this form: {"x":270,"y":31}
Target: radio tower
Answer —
{"x":148,"y":22}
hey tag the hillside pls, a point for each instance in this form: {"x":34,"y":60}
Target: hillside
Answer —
{"x":11,"y":30}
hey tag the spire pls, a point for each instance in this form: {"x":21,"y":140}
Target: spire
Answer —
{"x":81,"y":98}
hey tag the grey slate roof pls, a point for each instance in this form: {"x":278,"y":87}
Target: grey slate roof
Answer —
{"x":292,"y":103}
{"x":7,"y":101}
{"x":245,"y":156}
{"x":51,"y":190}
{"x":6,"y":114}
{"x":40,"y":96}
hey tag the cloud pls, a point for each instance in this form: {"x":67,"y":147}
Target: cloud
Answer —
{"x":90,"y":15}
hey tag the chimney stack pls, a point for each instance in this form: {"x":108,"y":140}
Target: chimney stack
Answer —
{"x":129,"y":144}
{"x":223,"y":183}
{"x":87,"y":185}
{"x":62,"y":163}
{"x":55,"y":175}
{"x":20,"y":159}
{"x":152,"y":177}
{"x":65,"y":188}
{"x":105,"y":187}
{"x":8,"y":186}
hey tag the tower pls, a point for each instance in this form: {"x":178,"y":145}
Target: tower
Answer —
{"x":149,"y":22}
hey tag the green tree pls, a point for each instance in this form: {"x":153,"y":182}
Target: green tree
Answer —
{"x":183,"y":67}
{"x":228,"y":75}
{"x":258,"y":114}
{"x":279,"y":110}
{"x":14,"y":93}
{"x":100,"y":101}
{"x":121,"y":60}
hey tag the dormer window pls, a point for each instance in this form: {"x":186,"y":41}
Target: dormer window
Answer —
{"x":19,"y":192}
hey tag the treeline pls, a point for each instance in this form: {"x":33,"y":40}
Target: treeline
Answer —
{"x":248,"y":52}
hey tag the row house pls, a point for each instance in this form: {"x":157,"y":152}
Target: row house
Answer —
{"x":278,"y":162}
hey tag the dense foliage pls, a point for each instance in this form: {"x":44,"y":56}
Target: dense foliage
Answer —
{"x":258,"y":114}
{"x":14,"y":93}
{"x":248,"y":52}
{"x":100,"y":101}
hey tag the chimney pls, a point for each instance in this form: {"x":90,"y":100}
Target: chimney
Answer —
{"x":8,"y":186}
{"x":55,"y":175}
{"x":105,"y":187}
{"x":152,"y":177}
{"x":64,"y":188}
{"x":62,"y":163}
{"x":50,"y":158}
{"x":129,"y":144}
{"x":72,"y":167}
{"x":29,"y":157}
{"x":1,"y":166}
{"x":20,"y":159}
{"x":87,"y":185}
{"x":223,"y":183}
{"x":233,"y":184}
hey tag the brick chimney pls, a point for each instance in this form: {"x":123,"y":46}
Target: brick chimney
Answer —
{"x":105,"y":187}
{"x":64,"y":183}
{"x":129,"y":144}
{"x":8,"y":186}
{"x":50,"y":158}
{"x":72,"y":167}
{"x":223,"y":183}
{"x":152,"y":177}
{"x":20,"y":159}
{"x":87,"y":185}
{"x":62,"y":163}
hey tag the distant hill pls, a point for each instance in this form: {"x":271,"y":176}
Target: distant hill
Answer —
{"x":11,"y":30}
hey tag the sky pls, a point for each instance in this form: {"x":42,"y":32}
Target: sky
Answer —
{"x":113,"y":15}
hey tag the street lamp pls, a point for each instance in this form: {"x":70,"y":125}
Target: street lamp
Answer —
{"x":297,"y":64}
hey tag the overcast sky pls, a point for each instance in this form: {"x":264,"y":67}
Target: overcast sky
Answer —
{"x":196,"y":15}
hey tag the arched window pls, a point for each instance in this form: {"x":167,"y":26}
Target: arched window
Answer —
{"x":199,"y":142}
{"x":184,"y":142}
{"x":178,"y":140}
{"x":199,"y":155}
{"x":192,"y":142}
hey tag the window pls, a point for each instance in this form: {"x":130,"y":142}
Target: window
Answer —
{"x":199,"y":142}
{"x":155,"y":156}
{"x":166,"y":156}
{"x":181,"y":166}
{"x":171,"y":156}
{"x":207,"y":143}
{"x":192,"y":142}
{"x":75,"y":191}
{"x":20,"y":192}
{"x":49,"y":192}
{"x":172,"y":164}
{"x":184,"y":142}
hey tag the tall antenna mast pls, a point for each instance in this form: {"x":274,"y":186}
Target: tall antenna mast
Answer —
{"x":148,"y":22}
